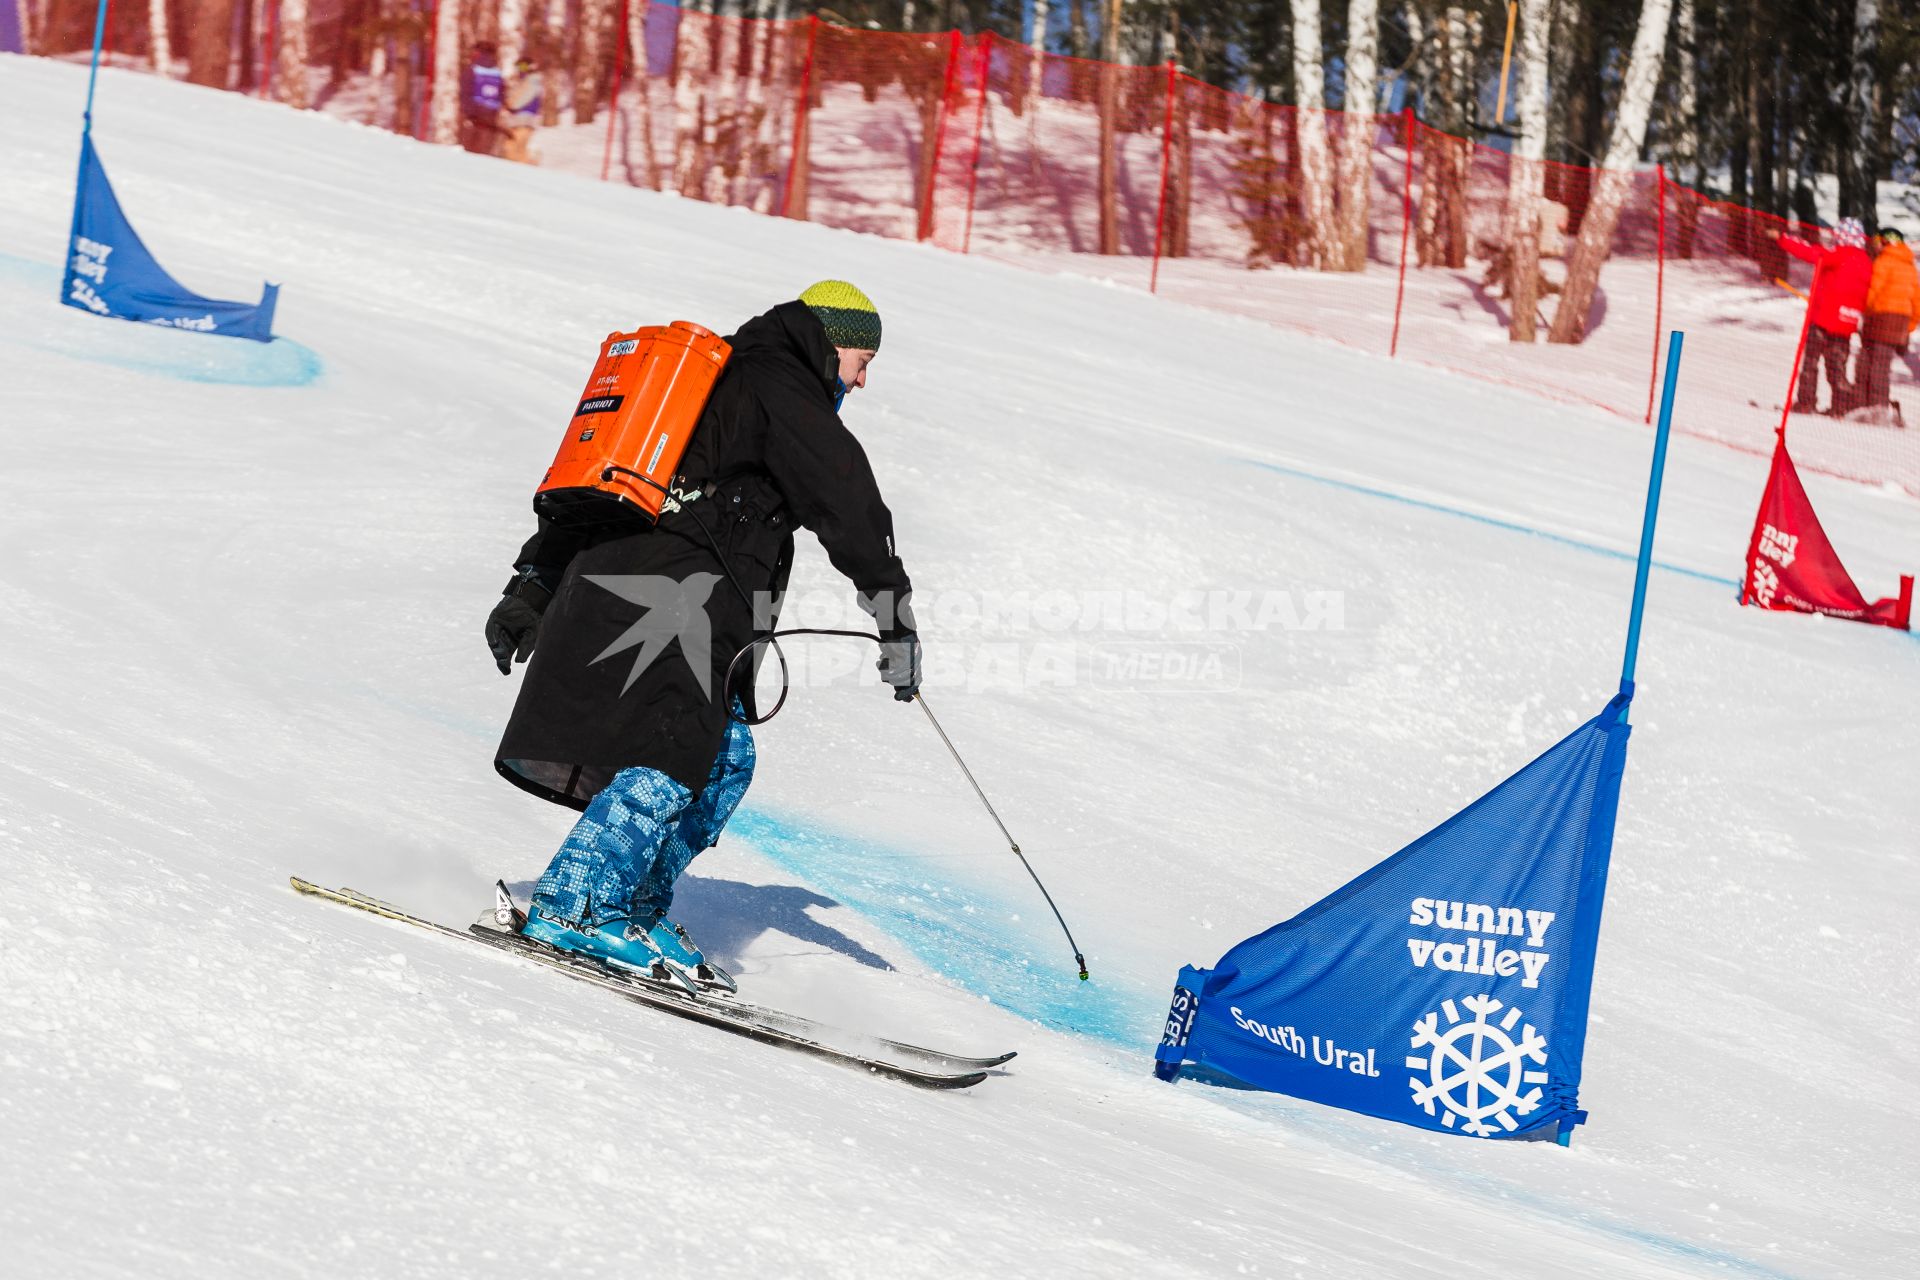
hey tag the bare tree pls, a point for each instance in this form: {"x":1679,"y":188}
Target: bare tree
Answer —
{"x":1356,"y":133}
{"x":643,"y":94}
{"x":209,"y":42}
{"x":1110,"y":25}
{"x":1859,"y":194}
{"x":1615,"y":179}
{"x":513,"y":32}
{"x":1316,"y":177}
{"x":553,"y":59}
{"x":443,"y":116}
{"x":290,"y":56}
{"x":691,"y":52}
{"x":1526,"y":174}
{"x":160,"y":46}
{"x":591,"y":63}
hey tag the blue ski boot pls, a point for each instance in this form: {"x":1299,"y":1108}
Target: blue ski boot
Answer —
{"x":678,"y":950}
{"x":615,"y":942}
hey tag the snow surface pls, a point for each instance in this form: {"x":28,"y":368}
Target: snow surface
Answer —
{"x":244,"y":587}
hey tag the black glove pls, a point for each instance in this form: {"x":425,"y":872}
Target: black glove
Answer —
{"x":900,"y":665}
{"x":512,"y":625}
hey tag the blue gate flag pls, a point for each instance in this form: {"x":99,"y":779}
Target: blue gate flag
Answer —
{"x":1447,"y":986}
{"x":110,"y":273}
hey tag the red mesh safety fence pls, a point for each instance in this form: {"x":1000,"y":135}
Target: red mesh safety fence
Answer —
{"x":1374,"y":231}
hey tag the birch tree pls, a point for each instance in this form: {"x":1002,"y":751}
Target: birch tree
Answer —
{"x":513,"y":33}
{"x":692,"y":52}
{"x":290,"y":57}
{"x":1037,"y":67}
{"x":1316,"y":177}
{"x":162,"y":47}
{"x":1860,"y":194}
{"x":591,"y":63}
{"x":1356,"y":134}
{"x":1685,"y":149}
{"x":553,"y":59}
{"x":1615,"y":180}
{"x":443,"y":113}
{"x":1526,"y":174}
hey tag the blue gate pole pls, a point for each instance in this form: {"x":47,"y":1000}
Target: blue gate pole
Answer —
{"x":93,"y":75}
{"x":1675,"y":341}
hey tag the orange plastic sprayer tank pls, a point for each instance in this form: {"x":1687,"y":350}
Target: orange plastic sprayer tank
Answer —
{"x":618,"y":459}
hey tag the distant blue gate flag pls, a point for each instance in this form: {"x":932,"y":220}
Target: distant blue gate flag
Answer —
{"x":110,"y":273}
{"x":1447,"y":986}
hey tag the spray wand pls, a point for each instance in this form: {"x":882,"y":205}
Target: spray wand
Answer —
{"x":1011,"y":842}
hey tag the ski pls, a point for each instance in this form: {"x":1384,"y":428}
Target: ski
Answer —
{"x":909,"y":1063}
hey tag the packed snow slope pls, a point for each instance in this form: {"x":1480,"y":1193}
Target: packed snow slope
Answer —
{"x":243,"y":594}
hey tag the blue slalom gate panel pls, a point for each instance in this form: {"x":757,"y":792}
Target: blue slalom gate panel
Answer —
{"x":1447,"y":986}
{"x":110,"y":273}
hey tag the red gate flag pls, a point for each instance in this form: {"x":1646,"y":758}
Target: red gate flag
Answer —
{"x":1792,"y":566}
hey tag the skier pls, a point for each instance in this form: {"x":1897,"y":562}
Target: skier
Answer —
{"x":520,"y":112}
{"x":1838,"y":296}
{"x":1893,"y":309}
{"x":482,"y":89}
{"x":624,"y":712}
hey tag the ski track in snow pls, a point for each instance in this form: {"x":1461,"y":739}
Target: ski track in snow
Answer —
{"x":249,"y":583}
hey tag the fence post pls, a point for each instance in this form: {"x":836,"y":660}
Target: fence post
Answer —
{"x":613,"y":98}
{"x":1406,"y":227}
{"x":925,"y":228}
{"x":1166,"y":161}
{"x":1659,"y":282}
{"x":979,"y":117}
{"x":797,"y":162}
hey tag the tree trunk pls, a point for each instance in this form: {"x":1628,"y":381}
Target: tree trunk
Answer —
{"x":443,"y":113}
{"x":290,"y":56}
{"x":1037,"y":65}
{"x":1861,"y":172}
{"x":1615,"y":180}
{"x":1685,"y":150}
{"x":1077,"y":28}
{"x":643,"y":90}
{"x":553,"y":60}
{"x":1316,"y":177}
{"x":1109,"y":132}
{"x":513,"y":34}
{"x":1356,"y":133}
{"x":1526,"y":172}
{"x":691,"y":57}
{"x":590,"y":65}
{"x":159,"y":45}
{"x":209,"y":42}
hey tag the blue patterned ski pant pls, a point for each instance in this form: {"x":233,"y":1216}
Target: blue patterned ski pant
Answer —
{"x":638,"y":834}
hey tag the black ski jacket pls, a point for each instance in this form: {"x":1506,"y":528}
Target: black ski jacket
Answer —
{"x":601,"y":694}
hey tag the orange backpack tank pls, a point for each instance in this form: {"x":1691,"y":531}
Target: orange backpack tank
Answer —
{"x":631,"y":426}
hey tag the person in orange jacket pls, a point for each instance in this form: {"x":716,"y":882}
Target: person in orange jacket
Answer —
{"x":1840,"y":276}
{"x":1893,"y":310}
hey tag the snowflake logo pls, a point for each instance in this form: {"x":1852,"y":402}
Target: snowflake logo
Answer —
{"x":1476,"y":1069}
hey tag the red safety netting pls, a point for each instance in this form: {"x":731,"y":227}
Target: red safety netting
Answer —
{"x":1375,"y":231}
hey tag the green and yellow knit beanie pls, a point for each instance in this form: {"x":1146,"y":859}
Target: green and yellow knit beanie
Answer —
{"x":848,"y":314}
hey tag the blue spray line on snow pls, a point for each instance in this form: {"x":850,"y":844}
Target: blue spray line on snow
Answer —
{"x":160,"y":349}
{"x":970,"y":937}
{"x":959,"y":931}
{"x":1495,"y":522}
